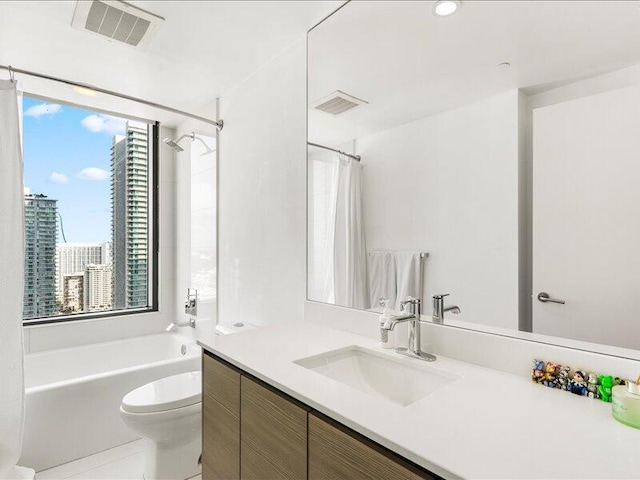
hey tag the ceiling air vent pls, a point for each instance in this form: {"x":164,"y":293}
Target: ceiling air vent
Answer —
{"x":336,"y":103}
{"x":116,"y":20}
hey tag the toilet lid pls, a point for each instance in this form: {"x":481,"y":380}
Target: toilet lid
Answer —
{"x":165,"y":394}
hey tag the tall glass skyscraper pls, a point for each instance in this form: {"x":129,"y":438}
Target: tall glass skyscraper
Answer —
{"x":130,"y":216}
{"x":40,"y":256}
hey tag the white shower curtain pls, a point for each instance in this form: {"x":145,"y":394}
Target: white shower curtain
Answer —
{"x":349,"y":258}
{"x":11,"y":285}
{"x":337,"y":253}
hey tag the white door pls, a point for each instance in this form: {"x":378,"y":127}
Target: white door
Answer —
{"x":586,"y":218}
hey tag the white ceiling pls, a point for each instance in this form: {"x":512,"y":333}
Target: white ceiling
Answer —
{"x":202,"y":49}
{"x":409,"y":64}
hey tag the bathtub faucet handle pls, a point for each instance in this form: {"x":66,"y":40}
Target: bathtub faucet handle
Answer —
{"x":191,"y":302}
{"x":174,"y":326}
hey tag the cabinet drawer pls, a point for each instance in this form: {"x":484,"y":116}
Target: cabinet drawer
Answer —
{"x":222,"y":383}
{"x":273,"y":434}
{"x":337,"y":454}
{"x":220,"y":442}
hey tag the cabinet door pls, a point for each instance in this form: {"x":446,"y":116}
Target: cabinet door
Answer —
{"x":220,"y":421}
{"x":273,"y":434}
{"x":337,"y":454}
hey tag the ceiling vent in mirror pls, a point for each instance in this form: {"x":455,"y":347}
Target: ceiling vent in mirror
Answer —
{"x":116,"y":20}
{"x":336,"y":103}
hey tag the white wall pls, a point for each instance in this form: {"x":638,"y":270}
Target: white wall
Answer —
{"x":262,"y":181}
{"x":448,"y":185}
{"x":47,"y":337}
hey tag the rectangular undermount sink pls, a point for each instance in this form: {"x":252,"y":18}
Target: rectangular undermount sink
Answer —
{"x":379,"y":374}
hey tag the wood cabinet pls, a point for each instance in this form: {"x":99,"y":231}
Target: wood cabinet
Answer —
{"x":336,"y":453}
{"x":273,"y":434}
{"x":220,"y":420}
{"x":251,"y":431}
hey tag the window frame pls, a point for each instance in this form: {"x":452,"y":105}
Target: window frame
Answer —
{"x":153,"y":222}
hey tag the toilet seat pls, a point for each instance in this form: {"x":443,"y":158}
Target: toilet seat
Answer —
{"x":166,"y":394}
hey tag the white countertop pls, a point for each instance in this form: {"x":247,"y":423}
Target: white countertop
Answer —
{"x":488,"y":424}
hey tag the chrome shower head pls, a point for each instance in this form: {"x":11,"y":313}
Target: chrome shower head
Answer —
{"x":173,"y":144}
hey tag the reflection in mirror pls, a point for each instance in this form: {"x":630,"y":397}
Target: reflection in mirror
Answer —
{"x":497,"y":161}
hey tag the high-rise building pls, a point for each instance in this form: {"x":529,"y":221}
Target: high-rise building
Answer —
{"x":40,"y":256}
{"x":98,"y":288}
{"x":129,"y":219}
{"x":72,"y":258}
{"x":73,"y":293}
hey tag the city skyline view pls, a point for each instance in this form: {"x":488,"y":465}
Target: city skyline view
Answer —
{"x":67,"y":156}
{"x":91,"y":169}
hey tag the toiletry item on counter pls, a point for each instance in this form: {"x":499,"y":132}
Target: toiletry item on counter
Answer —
{"x":387,"y":337}
{"x":626,"y":403}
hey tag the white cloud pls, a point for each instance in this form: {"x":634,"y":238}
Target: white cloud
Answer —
{"x":27,"y":191}
{"x":42,"y":109}
{"x":59,"y":178}
{"x":93,"y":173}
{"x":104,"y":123}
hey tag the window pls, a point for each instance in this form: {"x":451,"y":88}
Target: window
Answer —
{"x":90,"y":214}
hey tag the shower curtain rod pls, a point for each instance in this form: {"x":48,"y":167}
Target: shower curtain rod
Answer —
{"x":355,"y":157}
{"x":218,"y":124}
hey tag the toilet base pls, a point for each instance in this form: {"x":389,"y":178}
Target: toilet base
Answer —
{"x":172,"y":462}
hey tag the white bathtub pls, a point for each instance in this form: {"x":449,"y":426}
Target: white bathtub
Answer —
{"x":73,"y":394}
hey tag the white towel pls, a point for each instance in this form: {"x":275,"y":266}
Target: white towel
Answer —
{"x":382,"y":278}
{"x":11,"y":282}
{"x":408,"y":276}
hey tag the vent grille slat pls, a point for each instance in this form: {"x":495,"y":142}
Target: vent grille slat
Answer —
{"x":96,"y":14}
{"x":138,"y":31}
{"x":127,"y":22}
{"x":336,"y":103}
{"x":110,"y":22}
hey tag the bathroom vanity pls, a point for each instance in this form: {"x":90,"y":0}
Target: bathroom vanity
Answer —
{"x":271,"y":411}
{"x":278,"y":437}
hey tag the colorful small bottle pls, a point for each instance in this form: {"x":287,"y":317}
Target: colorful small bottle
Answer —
{"x":626,"y":404}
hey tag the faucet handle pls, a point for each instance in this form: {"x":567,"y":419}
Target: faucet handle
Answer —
{"x":410,"y":299}
{"x":440,"y":296}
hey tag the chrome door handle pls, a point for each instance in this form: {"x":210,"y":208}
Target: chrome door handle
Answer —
{"x":544,"y":298}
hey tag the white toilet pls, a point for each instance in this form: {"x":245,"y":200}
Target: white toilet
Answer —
{"x":167,"y":413}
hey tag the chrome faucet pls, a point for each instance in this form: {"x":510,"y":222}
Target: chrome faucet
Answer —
{"x":173,"y":326}
{"x":412,"y":315}
{"x":439,"y":309}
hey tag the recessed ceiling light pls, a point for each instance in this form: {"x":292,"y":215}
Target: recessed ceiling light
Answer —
{"x":444,"y":8}
{"x":85,"y":91}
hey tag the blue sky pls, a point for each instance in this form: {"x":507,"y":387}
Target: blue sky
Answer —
{"x":67,"y":157}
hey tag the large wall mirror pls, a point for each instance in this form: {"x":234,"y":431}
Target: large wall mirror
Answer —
{"x":492,"y":154}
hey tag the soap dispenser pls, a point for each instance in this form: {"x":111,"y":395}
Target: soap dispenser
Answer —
{"x":386,"y":336}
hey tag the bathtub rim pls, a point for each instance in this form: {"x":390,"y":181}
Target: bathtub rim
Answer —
{"x":195,"y":353}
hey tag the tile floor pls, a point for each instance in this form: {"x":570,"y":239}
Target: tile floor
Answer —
{"x":124,"y":462}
